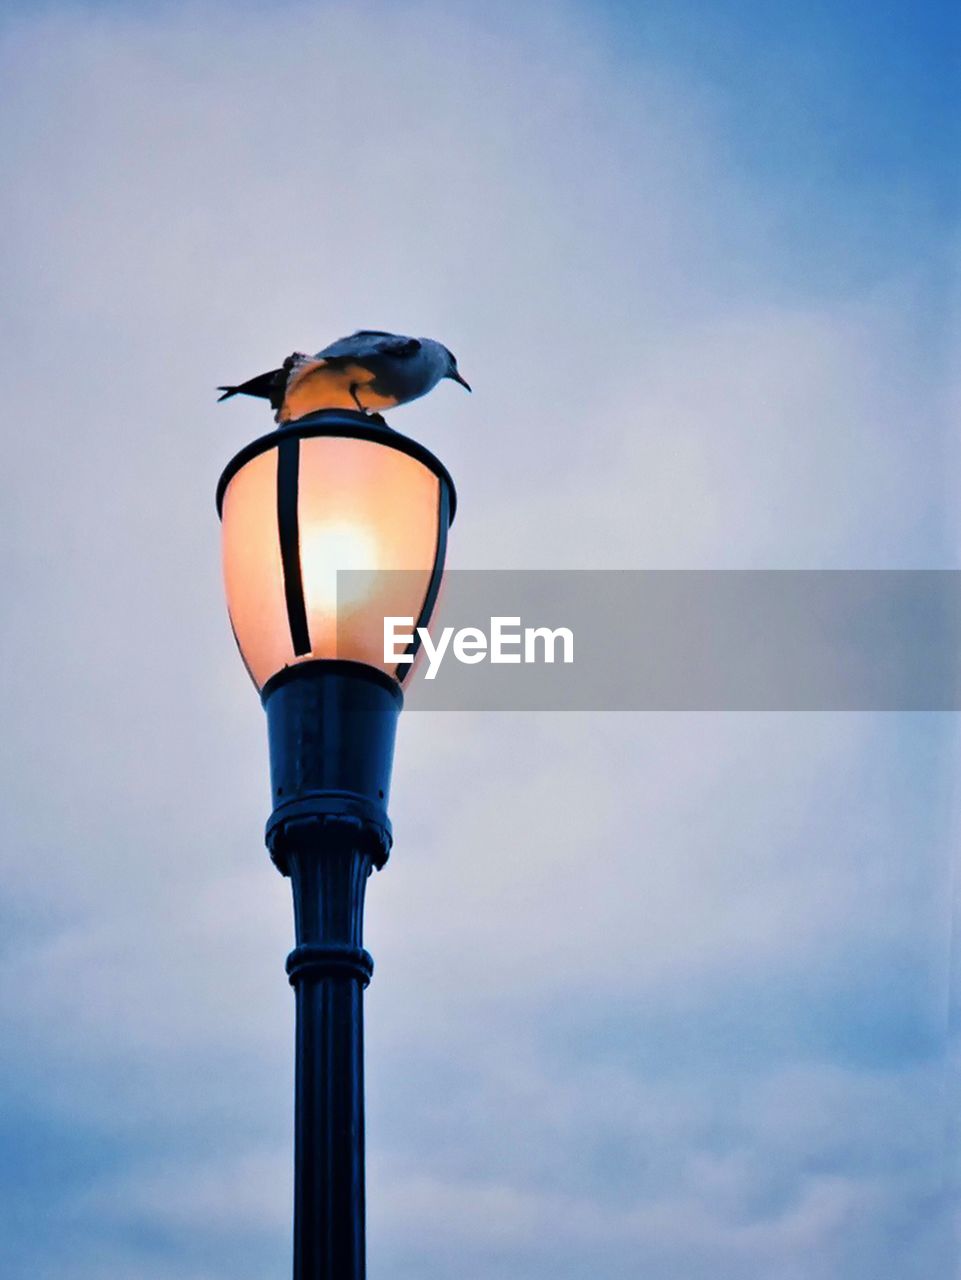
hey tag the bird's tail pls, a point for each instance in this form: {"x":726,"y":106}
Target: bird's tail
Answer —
{"x":265,"y":385}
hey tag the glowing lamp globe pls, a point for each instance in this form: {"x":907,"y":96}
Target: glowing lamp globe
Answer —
{"x":333,"y":494}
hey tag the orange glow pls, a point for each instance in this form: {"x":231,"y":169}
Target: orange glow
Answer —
{"x":362,"y":505}
{"x":328,"y":548}
{"x":319,"y":385}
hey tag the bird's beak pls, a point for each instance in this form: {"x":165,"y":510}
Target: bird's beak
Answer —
{"x":457,"y":378}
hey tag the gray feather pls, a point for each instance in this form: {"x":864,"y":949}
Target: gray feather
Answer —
{"x":370,"y":343}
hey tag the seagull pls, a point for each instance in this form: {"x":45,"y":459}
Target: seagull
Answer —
{"x":369,"y":371}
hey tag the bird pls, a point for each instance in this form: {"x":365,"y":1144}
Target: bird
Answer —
{"x":370,"y":370}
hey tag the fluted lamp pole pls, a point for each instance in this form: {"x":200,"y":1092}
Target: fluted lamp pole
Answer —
{"x":334,"y":491}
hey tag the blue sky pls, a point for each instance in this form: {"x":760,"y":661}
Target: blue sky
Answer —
{"x":655,"y":995}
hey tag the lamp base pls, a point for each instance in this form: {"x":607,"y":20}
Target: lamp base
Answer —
{"x":331,"y":727}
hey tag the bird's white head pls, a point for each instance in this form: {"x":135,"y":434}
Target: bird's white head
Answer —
{"x":446,"y":361}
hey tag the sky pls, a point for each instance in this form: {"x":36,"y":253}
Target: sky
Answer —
{"x":660,"y":995}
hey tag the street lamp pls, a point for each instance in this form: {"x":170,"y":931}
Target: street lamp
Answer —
{"x":333,"y":491}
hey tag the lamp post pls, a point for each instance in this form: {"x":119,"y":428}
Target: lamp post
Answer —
{"x":333,"y":491}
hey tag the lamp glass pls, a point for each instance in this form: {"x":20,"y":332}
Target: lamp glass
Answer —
{"x":361,"y":506}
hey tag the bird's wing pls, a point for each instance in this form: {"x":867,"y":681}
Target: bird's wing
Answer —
{"x":370,"y":342}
